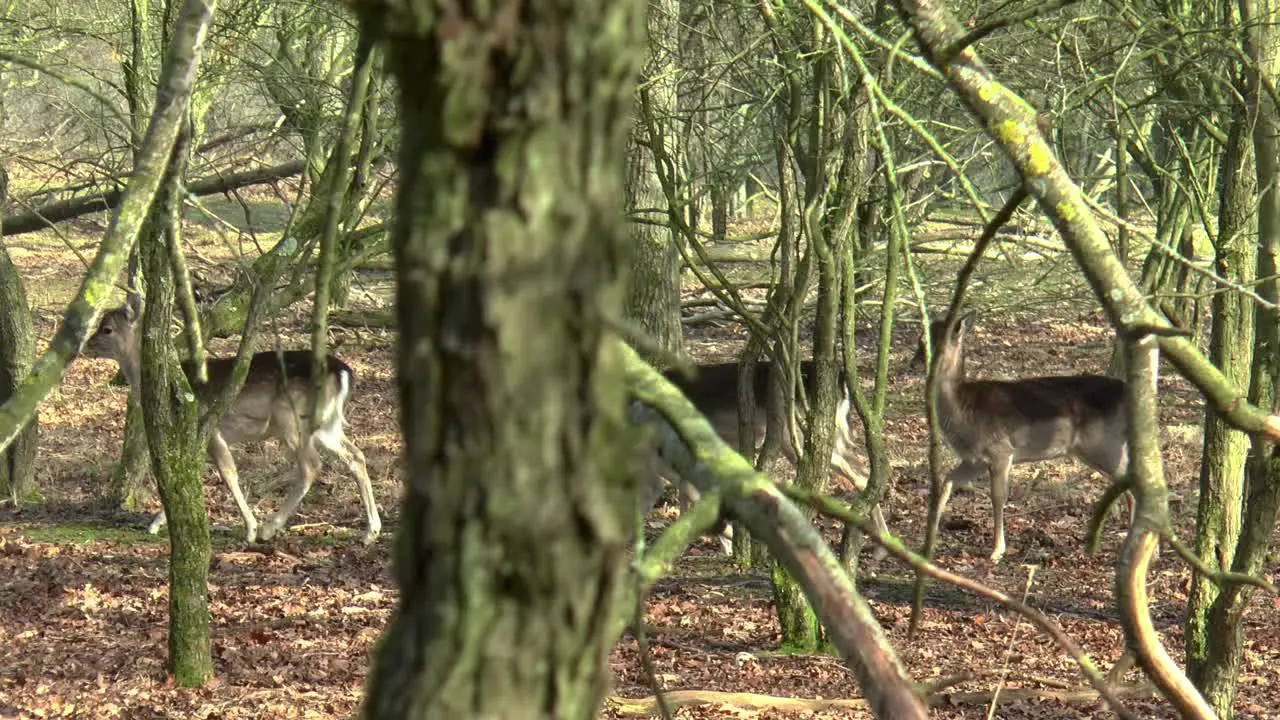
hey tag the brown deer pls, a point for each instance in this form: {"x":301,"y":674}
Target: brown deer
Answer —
{"x":714,"y":391}
{"x":992,"y":425}
{"x":275,"y":401}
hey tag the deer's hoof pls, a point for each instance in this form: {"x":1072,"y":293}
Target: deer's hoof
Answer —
{"x":726,"y":546}
{"x":997,"y":555}
{"x":269,"y":529}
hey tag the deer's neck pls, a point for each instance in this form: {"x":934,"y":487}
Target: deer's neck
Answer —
{"x":131,"y":367}
{"x":950,"y":374}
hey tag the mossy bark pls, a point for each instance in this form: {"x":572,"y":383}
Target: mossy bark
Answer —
{"x":1231,"y":347}
{"x":1220,"y":655}
{"x":171,"y":415}
{"x":511,"y":555}
{"x":17,"y":353}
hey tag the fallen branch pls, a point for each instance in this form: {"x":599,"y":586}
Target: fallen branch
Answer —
{"x":648,"y":706}
{"x":1076,"y":696}
{"x":753,"y":702}
{"x":47,"y":215}
{"x":924,"y":566}
{"x":375,"y":319}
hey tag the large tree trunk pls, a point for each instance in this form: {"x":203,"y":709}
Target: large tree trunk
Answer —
{"x":17,"y":353}
{"x":653,"y":284}
{"x":1222,"y":473}
{"x":512,"y":551}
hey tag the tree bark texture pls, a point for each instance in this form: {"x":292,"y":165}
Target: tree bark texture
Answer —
{"x":653,"y":283}
{"x":17,"y":353}
{"x":1231,"y":347}
{"x":131,"y":478}
{"x":511,"y":557}
{"x":171,"y":415}
{"x":1222,"y":656}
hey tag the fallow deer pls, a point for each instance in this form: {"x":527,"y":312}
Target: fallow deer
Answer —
{"x":275,"y":401}
{"x":714,"y":391}
{"x":992,"y":425}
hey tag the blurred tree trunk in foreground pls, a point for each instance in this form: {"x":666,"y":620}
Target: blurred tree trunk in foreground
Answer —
{"x":512,"y":554}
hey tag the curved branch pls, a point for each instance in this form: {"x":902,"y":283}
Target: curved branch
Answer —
{"x":1218,"y":577}
{"x":1147,"y":484}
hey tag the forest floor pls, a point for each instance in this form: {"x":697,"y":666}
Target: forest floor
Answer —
{"x":83,"y":587}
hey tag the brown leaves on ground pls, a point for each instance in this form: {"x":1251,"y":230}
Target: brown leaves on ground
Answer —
{"x":84,"y":631}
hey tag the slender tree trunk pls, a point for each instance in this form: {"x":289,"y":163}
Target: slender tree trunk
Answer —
{"x":17,"y":353}
{"x":131,"y":479}
{"x":1122,"y":190}
{"x":512,"y":552}
{"x":131,"y":485}
{"x":1222,"y":653}
{"x":172,"y":415}
{"x":1222,"y":473}
{"x":1116,"y":368}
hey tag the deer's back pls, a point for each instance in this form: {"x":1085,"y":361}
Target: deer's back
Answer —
{"x":277,"y":392}
{"x":714,"y":391}
{"x":1034,"y":418}
{"x":266,"y":369}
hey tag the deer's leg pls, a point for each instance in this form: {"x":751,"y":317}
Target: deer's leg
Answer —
{"x":1109,"y":455}
{"x":337,"y":443}
{"x":222,"y":460}
{"x":157,"y":522}
{"x":308,"y":462}
{"x":967,"y":473}
{"x":878,"y":553}
{"x":723,"y":529}
{"x":688,"y":495}
{"x":999,"y":495}
{"x":652,"y":484}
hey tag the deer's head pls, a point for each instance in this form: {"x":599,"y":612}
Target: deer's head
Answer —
{"x":941,"y":344}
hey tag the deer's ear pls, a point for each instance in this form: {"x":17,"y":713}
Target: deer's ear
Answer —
{"x":966,"y":321}
{"x":132,"y":307}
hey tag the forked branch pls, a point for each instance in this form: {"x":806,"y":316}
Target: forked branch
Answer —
{"x":756,"y":501}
